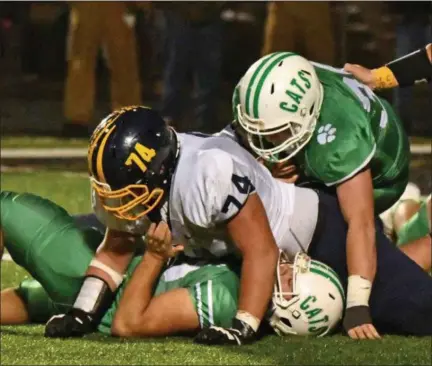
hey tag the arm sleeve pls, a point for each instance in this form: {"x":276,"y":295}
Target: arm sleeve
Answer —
{"x":219,"y":189}
{"x":412,"y":68}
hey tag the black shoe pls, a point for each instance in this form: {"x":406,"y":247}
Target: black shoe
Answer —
{"x":75,"y":130}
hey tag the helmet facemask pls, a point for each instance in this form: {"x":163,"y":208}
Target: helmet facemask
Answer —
{"x":314,"y":304}
{"x":286,"y":302}
{"x":129,"y":203}
{"x":291,"y":136}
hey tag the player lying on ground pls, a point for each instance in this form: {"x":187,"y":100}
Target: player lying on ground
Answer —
{"x":413,"y":68}
{"x":339,"y":134}
{"x":215,"y":183}
{"x":408,"y":223}
{"x":154,"y":299}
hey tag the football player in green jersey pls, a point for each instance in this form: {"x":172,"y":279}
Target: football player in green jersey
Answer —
{"x":44,"y":239}
{"x":340,"y":134}
{"x":412,"y":220}
{"x":55,"y":249}
{"x":408,"y":222}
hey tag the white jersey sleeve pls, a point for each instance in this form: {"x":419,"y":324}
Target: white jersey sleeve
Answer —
{"x":219,"y":188}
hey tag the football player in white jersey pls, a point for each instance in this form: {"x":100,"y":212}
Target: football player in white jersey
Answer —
{"x":212,"y":209}
{"x":210,"y":203}
{"x":219,"y":202}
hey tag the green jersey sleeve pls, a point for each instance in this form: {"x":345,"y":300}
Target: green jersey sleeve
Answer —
{"x":215,"y":300}
{"x":343,"y":142}
{"x":213,"y":289}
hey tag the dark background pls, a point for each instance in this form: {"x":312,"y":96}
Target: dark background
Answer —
{"x":33,"y":44}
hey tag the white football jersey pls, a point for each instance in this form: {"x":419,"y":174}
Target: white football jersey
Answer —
{"x":213,"y":179}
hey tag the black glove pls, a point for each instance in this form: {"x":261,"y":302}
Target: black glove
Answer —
{"x":355,"y":316}
{"x":75,"y":323}
{"x":240,"y":333}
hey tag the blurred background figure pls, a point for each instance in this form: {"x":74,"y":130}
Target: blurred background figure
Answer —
{"x":303,"y":27}
{"x":50,"y":56}
{"x":95,"y":26}
{"x":55,"y":81}
{"x":413,"y":30}
{"x":194,"y":48}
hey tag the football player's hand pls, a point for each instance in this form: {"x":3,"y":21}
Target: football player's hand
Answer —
{"x":285,"y":172}
{"x":75,"y":323}
{"x":358,"y":324}
{"x":240,"y":333}
{"x":362,"y":74}
{"x":159,"y":241}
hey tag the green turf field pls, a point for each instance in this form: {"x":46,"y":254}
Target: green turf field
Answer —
{"x":25,"y":345}
{"x":41,"y":142}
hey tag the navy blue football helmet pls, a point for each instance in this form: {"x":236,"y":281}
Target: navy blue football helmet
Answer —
{"x":131,"y":159}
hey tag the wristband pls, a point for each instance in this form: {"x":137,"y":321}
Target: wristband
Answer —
{"x":384,"y":78}
{"x":359,"y":290}
{"x":114,"y":275}
{"x":249,"y":319}
{"x":94,"y":298}
{"x":356,"y":316}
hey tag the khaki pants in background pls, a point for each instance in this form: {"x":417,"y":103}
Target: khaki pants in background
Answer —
{"x":94,"y":25}
{"x":303,"y":27}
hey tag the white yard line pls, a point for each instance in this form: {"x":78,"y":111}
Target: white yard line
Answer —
{"x":7,"y":257}
{"x":80,"y":152}
{"x":36,"y":153}
{"x":421,"y":149}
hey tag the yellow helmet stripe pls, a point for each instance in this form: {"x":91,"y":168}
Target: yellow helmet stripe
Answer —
{"x":99,"y":167}
{"x":95,"y":140}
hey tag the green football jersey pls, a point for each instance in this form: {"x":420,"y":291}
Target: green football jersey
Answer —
{"x":213,"y":289}
{"x":44,"y":239}
{"x":416,"y":227}
{"x":356,"y":128}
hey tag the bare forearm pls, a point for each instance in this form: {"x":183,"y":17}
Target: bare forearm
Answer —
{"x":361,"y":250}
{"x":115,"y":252}
{"x":257,"y":280}
{"x":138,"y":293}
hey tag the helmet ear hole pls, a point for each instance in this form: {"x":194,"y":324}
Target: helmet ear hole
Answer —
{"x":286,"y":322}
{"x":311,"y":110}
{"x":272,"y":89}
{"x":331,"y":296}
